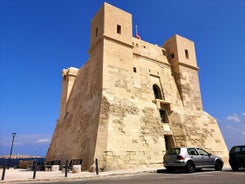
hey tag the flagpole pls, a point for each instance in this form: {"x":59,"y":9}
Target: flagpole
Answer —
{"x":136,"y":33}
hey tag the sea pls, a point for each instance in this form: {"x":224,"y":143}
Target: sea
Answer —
{"x":14,"y":162}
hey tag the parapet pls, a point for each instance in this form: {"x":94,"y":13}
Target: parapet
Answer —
{"x":69,"y":72}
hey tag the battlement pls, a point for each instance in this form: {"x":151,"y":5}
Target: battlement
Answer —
{"x":111,"y":23}
{"x":181,"y":50}
{"x":150,"y":51}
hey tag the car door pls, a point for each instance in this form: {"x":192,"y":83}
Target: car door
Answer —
{"x":205,"y":158}
{"x":194,"y":156}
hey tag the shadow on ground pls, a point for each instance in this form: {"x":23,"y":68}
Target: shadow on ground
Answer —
{"x":240,"y":170}
{"x":183,"y":171}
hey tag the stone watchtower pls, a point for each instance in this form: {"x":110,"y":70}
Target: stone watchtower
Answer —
{"x":131,"y":100}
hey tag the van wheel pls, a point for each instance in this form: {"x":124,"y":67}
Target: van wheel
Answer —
{"x":190,"y":167}
{"x":234,"y":167}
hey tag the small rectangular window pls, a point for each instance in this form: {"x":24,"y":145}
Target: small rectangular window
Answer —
{"x":172,"y":55}
{"x":164,"y":52}
{"x":96,"y":32}
{"x":134,"y":69}
{"x":186,"y":54}
{"x":162,"y":115}
{"x":118,"y":29}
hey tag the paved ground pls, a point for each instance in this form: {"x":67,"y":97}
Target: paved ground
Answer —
{"x":206,"y":176}
{"x":23,"y":175}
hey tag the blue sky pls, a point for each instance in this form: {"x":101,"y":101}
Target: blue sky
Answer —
{"x":38,"y":38}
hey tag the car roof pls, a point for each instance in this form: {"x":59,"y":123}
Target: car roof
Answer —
{"x":185,"y":147}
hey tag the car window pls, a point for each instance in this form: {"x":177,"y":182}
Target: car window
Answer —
{"x":243,"y":149}
{"x":202,"y":152}
{"x":173,"y":151}
{"x":192,"y":151}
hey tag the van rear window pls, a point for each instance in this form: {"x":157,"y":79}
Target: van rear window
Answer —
{"x":238,"y":149}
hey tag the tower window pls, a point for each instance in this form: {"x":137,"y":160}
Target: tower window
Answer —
{"x":162,"y":115}
{"x":186,"y":54}
{"x":164,"y":52}
{"x":134,"y":69}
{"x":172,"y":55}
{"x":96,"y":32}
{"x":157,"y":92}
{"x":118,"y":29}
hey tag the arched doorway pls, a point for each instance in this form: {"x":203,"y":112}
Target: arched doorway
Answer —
{"x":157,"y":92}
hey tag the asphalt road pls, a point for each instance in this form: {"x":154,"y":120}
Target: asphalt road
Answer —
{"x":201,"y":177}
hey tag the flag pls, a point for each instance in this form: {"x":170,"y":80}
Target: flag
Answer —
{"x":137,"y":35}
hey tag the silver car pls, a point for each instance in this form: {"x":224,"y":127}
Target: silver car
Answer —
{"x":191,"y":159}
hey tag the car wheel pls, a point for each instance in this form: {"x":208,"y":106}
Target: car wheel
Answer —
{"x":218,"y":165}
{"x":190,"y":167}
{"x":170,"y":169}
{"x":234,"y":167}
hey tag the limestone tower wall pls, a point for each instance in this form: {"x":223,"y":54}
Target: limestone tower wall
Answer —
{"x":132,"y":100}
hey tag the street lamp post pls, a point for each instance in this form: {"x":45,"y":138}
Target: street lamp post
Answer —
{"x":11,"y":149}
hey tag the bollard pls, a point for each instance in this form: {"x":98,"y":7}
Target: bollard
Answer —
{"x":66,"y":168}
{"x":34,"y":168}
{"x":4,"y":169}
{"x":97,"y":166}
